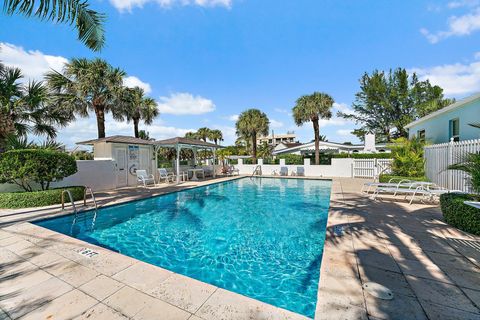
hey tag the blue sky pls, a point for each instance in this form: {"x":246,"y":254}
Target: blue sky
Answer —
{"x":205,"y":61}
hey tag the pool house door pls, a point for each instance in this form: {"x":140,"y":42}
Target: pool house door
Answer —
{"x":121,"y":167}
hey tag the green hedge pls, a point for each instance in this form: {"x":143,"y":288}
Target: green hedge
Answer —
{"x":460,"y":215}
{"x":381,"y":155}
{"x":387,"y":177}
{"x":16,"y":200}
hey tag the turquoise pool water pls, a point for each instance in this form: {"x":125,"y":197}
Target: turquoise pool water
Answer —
{"x":260,"y":237}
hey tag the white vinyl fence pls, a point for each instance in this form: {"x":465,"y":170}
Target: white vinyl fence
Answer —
{"x":439,"y":156}
{"x":370,"y":168}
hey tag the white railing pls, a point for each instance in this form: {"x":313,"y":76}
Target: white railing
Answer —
{"x":439,"y":156}
{"x":370,"y":168}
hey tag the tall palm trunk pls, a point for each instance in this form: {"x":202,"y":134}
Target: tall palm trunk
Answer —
{"x":254,"y":148}
{"x":135,"y":127}
{"x":100,"y":113}
{"x":7,"y":127}
{"x":316,"y":130}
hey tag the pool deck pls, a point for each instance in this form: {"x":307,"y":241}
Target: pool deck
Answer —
{"x":433,"y":269}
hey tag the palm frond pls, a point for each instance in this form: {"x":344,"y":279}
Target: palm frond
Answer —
{"x":88,"y":22}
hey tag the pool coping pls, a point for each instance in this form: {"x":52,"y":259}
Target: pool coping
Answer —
{"x":242,"y":304}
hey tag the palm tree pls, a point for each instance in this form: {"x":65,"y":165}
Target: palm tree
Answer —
{"x":136,"y":106}
{"x":89,"y":85}
{"x":27,"y":108}
{"x":251,"y":123}
{"x":313,"y":108}
{"x":216,"y":136}
{"x":88,"y":22}
{"x":203,"y":133}
{"x":191,"y":135}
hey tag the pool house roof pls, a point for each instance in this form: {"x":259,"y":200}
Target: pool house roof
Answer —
{"x":185,"y":142}
{"x":117,"y":139}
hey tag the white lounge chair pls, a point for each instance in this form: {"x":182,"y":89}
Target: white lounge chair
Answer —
{"x":164,"y":175}
{"x":232,"y":171}
{"x":300,"y":171}
{"x":144,"y":178}
{"x":392,"y":183}
{"x":425,"y":190}
{"x":284,"y":171}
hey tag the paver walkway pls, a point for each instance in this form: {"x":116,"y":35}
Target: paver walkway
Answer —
{"x":432,"y":269}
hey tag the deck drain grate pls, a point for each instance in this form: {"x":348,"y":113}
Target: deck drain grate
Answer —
{"x":378,"y":291}
{"x":86,"y":252}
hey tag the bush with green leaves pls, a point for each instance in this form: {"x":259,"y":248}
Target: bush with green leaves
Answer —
{"x":408,"y":158}
{"x":387,"y":177}
{"x":29,"y":166}
{"x":380,"y":155}
{"x":460,"y":215}
{"x":16,"y":200}
{"x":291,"y":159}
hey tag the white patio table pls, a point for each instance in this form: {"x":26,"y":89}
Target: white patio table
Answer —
{"x":194,"y":173}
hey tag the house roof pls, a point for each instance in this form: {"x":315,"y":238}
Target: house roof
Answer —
{"x":325,"y":145}
{"x":185,"y":141}
{"x":117,"y":139}
{"x":292,"y":144}
{"x":451,"y":107}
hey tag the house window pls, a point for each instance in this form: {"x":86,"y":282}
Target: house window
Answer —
{"x":454,"y":125}
{"x":421,"y":135}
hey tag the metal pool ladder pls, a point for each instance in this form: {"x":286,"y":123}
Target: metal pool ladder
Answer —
{"x":71,"y":200}
{"x":258,"y":168}
{"x":91,"y":194}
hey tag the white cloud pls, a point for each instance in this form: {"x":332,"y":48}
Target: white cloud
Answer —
{"x":33,"y":63}
{"x":185,"y":104}
{"x":342,"y":107}
{"x":463,"y":3}
{"x":455,"y":79}
{"x":276,"y":124}
{"x":128,"y":5}
{"x":457,"y":26}
{"x":344,"y":132}
{"x":233,"y":117}
{"x":132,"y":81}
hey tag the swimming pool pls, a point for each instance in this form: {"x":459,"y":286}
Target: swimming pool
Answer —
{"x":260,"y":237}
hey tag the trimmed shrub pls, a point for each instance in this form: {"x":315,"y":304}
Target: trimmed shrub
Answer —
{"x":16,"y":200}
{"x":460,"y":215}
{"x":408,"y":157}
{"x":291,"y":159}
{"x":22,"y":167}
{"x":386,"y":177}
{"x":381,"y":155}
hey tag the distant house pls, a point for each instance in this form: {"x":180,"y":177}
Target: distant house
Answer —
{"x":331,"y":147}
{"x":274,"y":140}
{"x":450,"y":123}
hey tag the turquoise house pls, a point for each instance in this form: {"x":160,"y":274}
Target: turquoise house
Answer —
{"x":450,"y":123}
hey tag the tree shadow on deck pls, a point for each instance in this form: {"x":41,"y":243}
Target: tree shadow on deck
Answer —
{"x":432,"y":268}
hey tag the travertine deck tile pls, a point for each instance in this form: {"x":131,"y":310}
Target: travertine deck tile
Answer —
{"x":161,"y":310}
{"x":101,"y":287}
{"x":392,"y":280}
{"x":441,"y":293}
{"x":101,"y":312}
{"x":399,"y":308}
{"x":68,"y":306}
{"x":329,"y":311}
{"x":225,"y":304}
{"x":435,"y":311}
{"x":128,"y":301}
{"x":20,"y":302}
{"x":135,"y":276}
{"x":423,"y":269}
{"x":184,"y":292}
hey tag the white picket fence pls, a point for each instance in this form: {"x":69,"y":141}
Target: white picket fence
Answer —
{"x":370,"y":168}
{"x":439,"y":156}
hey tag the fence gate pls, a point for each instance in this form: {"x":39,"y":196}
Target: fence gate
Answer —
{"x":370,"y":168}
{"x":439,"y":156}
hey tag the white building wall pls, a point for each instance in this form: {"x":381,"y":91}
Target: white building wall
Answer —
{"x":97,"y":174}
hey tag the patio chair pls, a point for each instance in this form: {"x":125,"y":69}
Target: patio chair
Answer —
{"x":284,"y":171}
{"x":166,"y":176}
{"x":392,"y":183}
{"x":232,"y":171}
{"x":144,"y":178}
{"x":301,"y":171}
{"x":424,"y":190}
